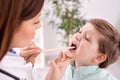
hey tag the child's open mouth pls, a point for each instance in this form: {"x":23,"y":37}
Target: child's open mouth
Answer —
{"x":72,"y":51}
{"x":73,"y":45}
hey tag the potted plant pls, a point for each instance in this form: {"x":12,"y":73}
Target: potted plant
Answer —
{"x":66,"y":16}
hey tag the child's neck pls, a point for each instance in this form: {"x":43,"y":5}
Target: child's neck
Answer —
{"x":78,"y":64}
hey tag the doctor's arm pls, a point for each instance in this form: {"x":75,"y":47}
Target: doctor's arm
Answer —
{"x":58,"y":67}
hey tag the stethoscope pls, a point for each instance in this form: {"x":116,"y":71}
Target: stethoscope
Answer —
{"x":8,"y":73}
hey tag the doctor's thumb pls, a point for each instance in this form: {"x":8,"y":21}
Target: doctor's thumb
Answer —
{"x":52,"y":64}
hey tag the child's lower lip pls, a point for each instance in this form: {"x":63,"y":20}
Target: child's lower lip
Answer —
{"x":72,"y":51}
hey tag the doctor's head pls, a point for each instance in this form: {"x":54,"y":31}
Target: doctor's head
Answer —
{"x":18,"y":21}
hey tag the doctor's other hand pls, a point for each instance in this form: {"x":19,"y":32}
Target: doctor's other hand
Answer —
{"x":58,"y":67}
{"x":30,"y":52}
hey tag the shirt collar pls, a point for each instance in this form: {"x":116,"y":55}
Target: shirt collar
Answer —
{"x":83,"y":70}
{"x":12,"y":51}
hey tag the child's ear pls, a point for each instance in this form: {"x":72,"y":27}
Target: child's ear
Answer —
{"x":100,"y":58}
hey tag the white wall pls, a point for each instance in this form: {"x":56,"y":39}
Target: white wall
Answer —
{"x":105,"y":9}
{"x":49,"y":33}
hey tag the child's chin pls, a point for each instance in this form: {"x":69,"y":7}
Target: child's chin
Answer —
{"x":70,"y":55}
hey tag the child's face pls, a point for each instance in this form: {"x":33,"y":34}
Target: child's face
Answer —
{"x":86,"y":43}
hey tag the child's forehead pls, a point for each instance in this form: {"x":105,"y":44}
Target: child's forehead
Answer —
{"x":90,"y":30}
{"x":88,"y":27}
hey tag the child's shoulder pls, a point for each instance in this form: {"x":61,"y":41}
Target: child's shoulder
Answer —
{"x":105,"y":75}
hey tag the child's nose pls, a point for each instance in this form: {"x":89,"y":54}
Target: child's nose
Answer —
{"x":78,"y":37}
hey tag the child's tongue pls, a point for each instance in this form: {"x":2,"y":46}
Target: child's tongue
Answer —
{"x":73,"y":50}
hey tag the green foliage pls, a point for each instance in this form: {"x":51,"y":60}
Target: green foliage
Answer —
{"x":69,"y":14}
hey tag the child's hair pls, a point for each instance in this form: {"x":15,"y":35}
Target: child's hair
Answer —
{"x":110,"y":43}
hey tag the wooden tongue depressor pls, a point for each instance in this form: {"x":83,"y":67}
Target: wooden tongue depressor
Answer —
{"x":57,"y":49}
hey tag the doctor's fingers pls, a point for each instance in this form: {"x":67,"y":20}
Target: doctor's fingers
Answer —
{"x":31,"y":59}
{"x":54,"y":72}
{"x":62,"y":57}
{"x":59,"y":57}
{"x":61,"y":66}
{"x":64,"y":63}
{"x":53,"y":65}
{"x":31,"y":43}
{"x":31,"y":47}
{"x":27,"y":53}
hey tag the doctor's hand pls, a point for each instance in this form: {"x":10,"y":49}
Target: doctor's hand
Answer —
{"x":30,"y":52}
{"x":58,"y":67}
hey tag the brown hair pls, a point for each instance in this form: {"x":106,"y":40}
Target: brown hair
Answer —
{"x":12,"y":13}
{"x":110,"y":43}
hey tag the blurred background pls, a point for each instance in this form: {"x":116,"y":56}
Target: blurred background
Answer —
{"x":57,"y":15}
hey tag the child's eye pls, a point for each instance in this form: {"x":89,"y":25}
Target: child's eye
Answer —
{"x":87,"y":38}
